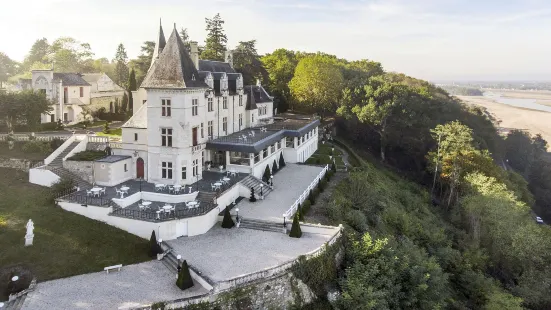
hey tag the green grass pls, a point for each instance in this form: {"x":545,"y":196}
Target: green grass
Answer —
{"x":321,"y":156}
{"x":112,"y":133}
{"x":88,"y":124}
{"x":65,"y":243}
{"x":88,"y":155}
{"x":18,"y":152}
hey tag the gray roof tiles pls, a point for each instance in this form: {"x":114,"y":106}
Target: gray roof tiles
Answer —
{"x":113,"y":158}
{"x":70,"y":79}
{"x":215,"y":66}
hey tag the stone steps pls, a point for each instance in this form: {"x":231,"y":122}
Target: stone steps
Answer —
{"x":171,"y":262}
{"x":209,"y":197}
{"x":261,"y":225}
{"x":15,"y":304}
{"x":58,"y":161}
{"x":251,"y":181}
{"x":64,"y":173}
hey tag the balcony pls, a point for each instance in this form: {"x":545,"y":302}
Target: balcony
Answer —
{"x":197,"y":148}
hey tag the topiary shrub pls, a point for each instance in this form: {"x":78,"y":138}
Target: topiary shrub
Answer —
{"x":305,"y":207}
{"x":334,"y":167}
{"x":300,"y":212}
{"x":227,"y":222}
{"x":281,"y":161}
{"x":106,"y":128}
{"x":316,"y":193}
{"x":311,"y":197}
{"x":184,"y":278}
{"x":274,"y":167}
{"x":322,"y":185}
{"x":295,"y":229}
{"x":267,"y":174}
{"x":154,"y":247}
{"x":252,"y":198}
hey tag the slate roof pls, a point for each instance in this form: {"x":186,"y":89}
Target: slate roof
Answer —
{"x":159,"y":45}
{"x":113,"y":158}
{"x":233,"y":76}
{"x":215,"y":66}
{"x":91,"y":77}
{"x":139,"y":119}
{"x":71,"y":79}
{"x":174,"y":69}
{"x":256,"y":94}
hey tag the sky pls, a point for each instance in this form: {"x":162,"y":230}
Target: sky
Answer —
{"x":429,"y":39}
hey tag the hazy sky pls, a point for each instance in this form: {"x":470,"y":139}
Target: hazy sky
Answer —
{"x":430,"y":39}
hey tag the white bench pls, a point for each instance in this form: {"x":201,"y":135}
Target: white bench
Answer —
{"x":118,"y":267}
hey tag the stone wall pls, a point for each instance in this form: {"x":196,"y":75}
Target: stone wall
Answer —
{"x":96,"y":146}
{"x":104,"y":102}
{"x":83,"y":169}
{"x":16,"y":163}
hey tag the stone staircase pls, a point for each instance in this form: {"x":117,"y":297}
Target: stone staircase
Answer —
{"x":58,"y":161}
{"x":171,"y":262}
{"x":15,"y":304}
{"x":64,"y":173}
{"x":208,"y":197}
{"x":251,"y":181}
{"x":261,"y":225}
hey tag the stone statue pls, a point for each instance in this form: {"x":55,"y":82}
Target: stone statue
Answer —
{"x":30,"y":233}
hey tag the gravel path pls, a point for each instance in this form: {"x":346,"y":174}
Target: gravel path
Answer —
{"x":225,"y":253}
{"x":134,"y":285}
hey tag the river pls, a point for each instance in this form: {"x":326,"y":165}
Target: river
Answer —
{"x":517,"y":102}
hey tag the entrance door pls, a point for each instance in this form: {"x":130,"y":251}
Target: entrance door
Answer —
{"x":139,"y":168}
{"x":194,"y":135}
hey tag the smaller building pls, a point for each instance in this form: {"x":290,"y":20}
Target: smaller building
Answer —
{"x":112,"y":170}
{"x":104,"y":92}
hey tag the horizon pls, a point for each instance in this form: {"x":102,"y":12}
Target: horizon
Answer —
{"x":455,"y":41}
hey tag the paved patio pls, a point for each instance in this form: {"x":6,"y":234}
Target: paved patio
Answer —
{"x":134,"y":285}
{"x":289,"y":184}
{"x":222,"y":254}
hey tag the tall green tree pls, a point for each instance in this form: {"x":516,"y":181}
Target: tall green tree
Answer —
{"x":247,"y":61}
{"x":215,"y":43}
{"x":23,"y":107}
{"x":38,"y":53}
{"x":317,"y":84}
{"x":8,"y":68}
{"x":143,"y":62}
{"x":132,"y":86}
{"x":185,"y":38}
{"x":121,"y":68}
{"x":70,"y":55}
{"x":280,"y":65}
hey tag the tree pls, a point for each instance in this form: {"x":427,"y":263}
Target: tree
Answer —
{"x":121,"y":69}
{"x":143,"y":62}
{"x":70,"y":55}
{"x":274,"y":167}
{"x":185,"y":38}
{"x":8,"y":68}
{"x":38,"y":53}
{"x":317,"y":84}
{"x":154,"y":247}
{"x":124,"y":104}
{"x":252,"y":198}
{"x":132,"y":86}
{"x":227,"y":222}
{"x":247,"y":62}
{"x":281,"y":161}
{"x":267,"y":174}
{"x":280,"y":66}
{"x":184,"y":277}
{"x":296,"y":232}
{"x":312,"y":198}
{"x":25,"y":106}
{"x":215,"y":43}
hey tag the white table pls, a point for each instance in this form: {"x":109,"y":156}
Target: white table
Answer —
{"x":146,"y":203}
{"x":160,"y":186}
{"x":96,"y":190}
{"x":218,"y":184}
{"x":125,"y":189}
{"x":192,"y":204}
{"x":226,"y":180}
{"x":167,"y":207}
{"x":190,"y":189}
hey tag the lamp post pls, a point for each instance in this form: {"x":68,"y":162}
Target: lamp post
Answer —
{"x":237,"y":216}
{"x":284,"y":223}
{"x":272,"y":181}
{"x":262,"y":191}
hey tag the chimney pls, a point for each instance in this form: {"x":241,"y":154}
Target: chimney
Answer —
{"x":194,"y":53}
{"x":228,"y":57}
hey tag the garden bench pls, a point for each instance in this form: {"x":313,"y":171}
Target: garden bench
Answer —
{"x":118,"y":267}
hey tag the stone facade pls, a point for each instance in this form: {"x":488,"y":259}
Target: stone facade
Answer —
{"x":83,"y":169}
{"x":106,"y":102}
{"x":16,"y":163}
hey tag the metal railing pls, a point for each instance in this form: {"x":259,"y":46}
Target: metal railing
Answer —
{"x":24,"y":137}
{"x":305,"y":194}
{"x":72,"y":195}
{"x":98,"y":139}
{"x":158,"y":215}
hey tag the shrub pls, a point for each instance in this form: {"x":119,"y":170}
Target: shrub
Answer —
{"x":89,"y":155}
{"x":316,"y":193}
{"x":322,"y":185}
{"x":295,"y":229}
{"x":184,"y":278}
{"x":154,"y":247}
{"x":227,"y":222}
{"x":274,"y":167}
{"x":333,"y":167}
{"x":357,"y":220}
{"x":55,"y":143}
{"x":34,"y":146}
{"x":311,"y":197}
{"x":62,"y":187}
{"x":300,"y":212}
{"x":106,"y":128}
{"x":281,"y":161}
{"x":267,"y":174}
{"x":252,"y":198}
{"x":305,"y":207}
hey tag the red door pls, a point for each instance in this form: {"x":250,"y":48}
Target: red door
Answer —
{"x":139,"y":168}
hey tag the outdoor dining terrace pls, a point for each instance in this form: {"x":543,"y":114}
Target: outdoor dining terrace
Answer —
{"x":155,"y":211}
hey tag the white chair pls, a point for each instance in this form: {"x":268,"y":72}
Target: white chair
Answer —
{"x":102,"y":191}
{"x":140,"y":206}
{"x":170,"y":188}
{"x":89,"y":193}
{"x":176,"y":190}
{"x":119,"y":192}
{"x":212,"y":187}
{"x":158,"y":214}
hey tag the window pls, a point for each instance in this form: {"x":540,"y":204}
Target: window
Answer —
{"x":209,"y":100}
{"x":225,"y":124}
{"x":194,"y":136}
{"x":52,"y":118}
{"x":165,"y":108}
{"x":265,"y":153}
{"x":65,"y":117}
{"x":166,"y":137}
{"x":225,"y":103}
{"x":81,"y":92}
{"x":125,"y":170}
{"x":195,"y":167}
{"x":272,"y":149}
{"x":289,"y":141}
{"x":278,"y":145}
{"x":194,"y":107}
{"x":240,"y":120}
{"x":209,"y":128}
{"x":252,"y":118}
{"x":184,"y":172}
{"x":135,"y":137}
{"x":256,"y":157}
{"x":166,"y":170}
{"x":240,"y":100}
{"x":239,"y":158}
{"x":202,"y":131}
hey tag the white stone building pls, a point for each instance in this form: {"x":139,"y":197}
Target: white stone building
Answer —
{"x":192,"y":115}
{"x":104,"y":92}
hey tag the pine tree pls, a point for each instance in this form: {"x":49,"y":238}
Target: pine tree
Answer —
{"x":295,"y":229}
{"x":185,"y":38}
{"x":312,"y":198}
{"x":274,"y":167}
{"x":184,"y":277}
{"x":121,"y":68}
{"x":267,"y":174}
{"x":154,"y":247}
{"x":132,"y":85}
{"x":215,"y":44}
{"x":227,"y":222}
{"x":281,"y":161}
{"x":124,"y":105}
{"x":252,"y":198}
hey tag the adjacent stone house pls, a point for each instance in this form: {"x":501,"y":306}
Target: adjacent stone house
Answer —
{"x":103,"y":92}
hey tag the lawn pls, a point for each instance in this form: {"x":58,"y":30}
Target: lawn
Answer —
{"x":88,"y":155}
{"x":321,"y":156}
{"x":116,"y":133}
{"x":88,"y":124}
{"x":65,"y":243}
{"x":19,"y":152}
